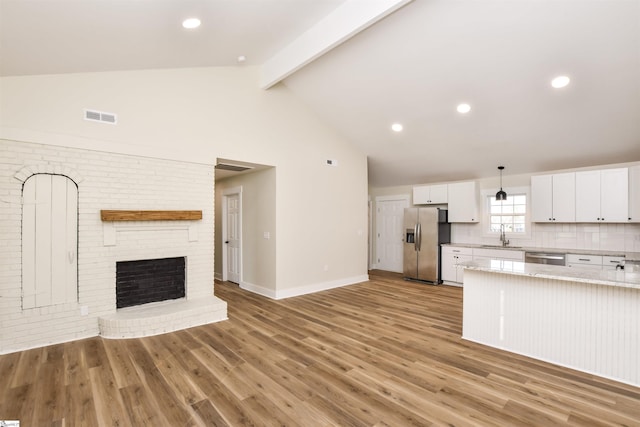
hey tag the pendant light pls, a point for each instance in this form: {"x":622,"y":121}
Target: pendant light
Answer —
{"x":501,"y":195}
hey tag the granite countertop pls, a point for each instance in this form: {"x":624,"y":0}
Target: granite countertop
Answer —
{"x":628,"y":255}
{"x":618,"y":278}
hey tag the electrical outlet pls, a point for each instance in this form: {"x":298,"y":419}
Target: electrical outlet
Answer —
{"x":84,"y":310}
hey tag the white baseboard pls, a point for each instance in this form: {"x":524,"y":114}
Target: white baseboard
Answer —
{"x":445,"y":282}
{"x":4,"y":351}
{"x":256,"y":289}
{"x":317,"y":287}
{"x":217,"y":276}
{"x":302,"y":290}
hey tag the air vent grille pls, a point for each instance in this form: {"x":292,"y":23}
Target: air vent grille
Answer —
{"x":233,"y":168}
{"x":100,"y":116}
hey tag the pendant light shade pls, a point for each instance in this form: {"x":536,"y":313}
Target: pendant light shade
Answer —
{"x":501,"y":195}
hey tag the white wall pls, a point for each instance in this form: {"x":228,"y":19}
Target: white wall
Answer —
{"x":204,"y":113}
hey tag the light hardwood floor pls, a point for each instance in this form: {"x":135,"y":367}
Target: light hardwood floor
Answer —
{"x":382,"y":353}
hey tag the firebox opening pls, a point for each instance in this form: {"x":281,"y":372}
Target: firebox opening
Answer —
{"x":145,"y":281}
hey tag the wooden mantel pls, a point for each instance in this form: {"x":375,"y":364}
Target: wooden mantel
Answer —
{"x":122,"y":215}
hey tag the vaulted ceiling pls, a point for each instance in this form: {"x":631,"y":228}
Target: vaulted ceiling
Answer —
{"x":412,"y":64}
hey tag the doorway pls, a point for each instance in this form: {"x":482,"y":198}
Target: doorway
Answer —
{"x":232,"y":235}
{"x":389,"y":235}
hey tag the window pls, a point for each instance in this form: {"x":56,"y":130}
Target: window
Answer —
{"x":510,"y":213}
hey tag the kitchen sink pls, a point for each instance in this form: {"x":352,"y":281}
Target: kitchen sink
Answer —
{"x":500,"y":247}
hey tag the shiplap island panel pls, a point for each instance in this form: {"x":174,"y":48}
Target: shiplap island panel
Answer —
{"x":585,"y":320}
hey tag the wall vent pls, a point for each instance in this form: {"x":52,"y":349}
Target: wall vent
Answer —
{"x":100,"y":116}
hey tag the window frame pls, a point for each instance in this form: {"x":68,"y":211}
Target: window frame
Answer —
{"x":486,"y":213}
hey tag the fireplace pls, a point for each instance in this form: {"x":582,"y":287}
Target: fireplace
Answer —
{"x":152,"y":280}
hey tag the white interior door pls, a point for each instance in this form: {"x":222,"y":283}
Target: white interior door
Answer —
{"x":389,"y":233}
{"x":232,"y":237}
{"x":49,"y":241}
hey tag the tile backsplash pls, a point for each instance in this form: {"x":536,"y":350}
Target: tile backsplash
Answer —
{"x":605,"y":237}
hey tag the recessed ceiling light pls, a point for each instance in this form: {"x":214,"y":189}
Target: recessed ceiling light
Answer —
{"x":463,"y":108}
{"x":191,"y":23}
{"x":241,"y":59}
{"x":560,"y":81}
{"x":397,"y":127}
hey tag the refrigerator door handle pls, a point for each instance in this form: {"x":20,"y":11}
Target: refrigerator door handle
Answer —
{"x":418,"y":237}
{"x":415,"y":237}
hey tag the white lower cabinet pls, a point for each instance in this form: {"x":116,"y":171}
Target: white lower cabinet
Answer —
{"x":594,"y":262}
{"x":612,"y":262}
{"x":451,"y":257}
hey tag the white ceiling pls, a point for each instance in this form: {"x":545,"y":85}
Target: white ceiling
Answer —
{"x":413,"y":67}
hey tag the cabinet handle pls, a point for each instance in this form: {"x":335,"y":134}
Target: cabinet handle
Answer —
{"x":584,"y":259}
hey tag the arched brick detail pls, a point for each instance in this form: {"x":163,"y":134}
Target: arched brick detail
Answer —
{"x":23,"y":174}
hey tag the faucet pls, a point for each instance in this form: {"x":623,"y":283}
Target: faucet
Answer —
{"x":503,"y":236}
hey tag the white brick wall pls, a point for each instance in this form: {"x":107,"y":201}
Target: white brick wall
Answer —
{"x":105,"y":181}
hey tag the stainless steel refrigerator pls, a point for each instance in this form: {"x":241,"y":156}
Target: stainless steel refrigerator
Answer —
{"x":425,"y":230}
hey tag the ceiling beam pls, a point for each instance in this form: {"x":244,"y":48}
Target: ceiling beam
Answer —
{"x":346,"y":21}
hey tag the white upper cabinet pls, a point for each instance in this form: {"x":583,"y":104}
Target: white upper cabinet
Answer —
{"x":614,"y":195}
{"x":553,"y":198}
{"x":602,"y":195}
{"x":634,"y":194}
{"x":430,"y":194}
{"x":464,"y":201}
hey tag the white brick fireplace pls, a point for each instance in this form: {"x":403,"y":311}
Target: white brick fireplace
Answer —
{"x":114,"y":182}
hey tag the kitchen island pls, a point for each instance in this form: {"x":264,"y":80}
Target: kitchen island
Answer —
{"x":582,"y":319}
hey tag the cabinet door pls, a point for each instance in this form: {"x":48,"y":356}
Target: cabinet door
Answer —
{"x":421,"y":194}
{"x":463,"y":202}
{"x":588,"y":196}
{"x":542,"y":198}
{"x":614,"y":195}
{"x":564,"y":197}
{"x":459,"y":269}
{"x":438,"y":193}
{"x":449,"y":267}
{"x":612,"y":262}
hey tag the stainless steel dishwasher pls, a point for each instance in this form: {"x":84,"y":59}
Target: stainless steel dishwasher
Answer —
{"x":551,"y":258}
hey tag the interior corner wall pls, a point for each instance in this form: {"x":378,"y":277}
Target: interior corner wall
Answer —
{"x":258,"y":218}
{"x":199,"y":115}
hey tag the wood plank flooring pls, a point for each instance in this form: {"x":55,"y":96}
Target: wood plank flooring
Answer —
{"x":382,"y":353}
